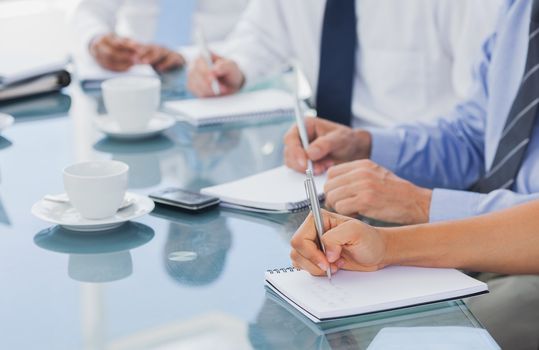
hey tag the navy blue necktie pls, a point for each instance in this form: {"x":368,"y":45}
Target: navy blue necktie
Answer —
{"x":520,"y":122}
{"x":337,"y":61}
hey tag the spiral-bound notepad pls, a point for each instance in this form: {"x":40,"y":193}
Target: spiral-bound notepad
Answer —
{"x":352,"y":293}
{"x":277,"y":190}
{"x":262,"y":104}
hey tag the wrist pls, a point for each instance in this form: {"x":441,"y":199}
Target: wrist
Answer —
{"x":388,"y":257}
{"x":363,"y":140}
{"x":423,"y":202}
{"x":181,"y":59}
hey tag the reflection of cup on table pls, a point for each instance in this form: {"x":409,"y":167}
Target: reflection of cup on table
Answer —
{"x":99,"y":257}
{"x":97,"y":188}
{"x":143,"y":158}
{"x":131,"y":101}
{"x":99,"y":268}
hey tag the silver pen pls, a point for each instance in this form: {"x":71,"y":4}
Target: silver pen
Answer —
{"x":205,"y":53}
{"x":298,"y":113}
{"x":312,"y":196}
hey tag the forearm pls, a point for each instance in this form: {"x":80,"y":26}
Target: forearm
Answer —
{"x":443,"y":153}
{"x":473,"y":203}
{"x":503,"y":242}
{"x":446,"y":152}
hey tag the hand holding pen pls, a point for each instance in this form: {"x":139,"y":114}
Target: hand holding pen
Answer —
{"x":318,"y":144}
{"x":206,"y":56}
{"x":349,"y":245}
{"x":212,"y":75}
{"x":329,"y":144}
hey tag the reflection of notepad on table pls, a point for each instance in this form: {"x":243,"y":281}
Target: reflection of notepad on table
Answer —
{"x":262,"y":104}
{"x":427,"y":338}
{"x":353,"y":293}
{"x":276,"y":190}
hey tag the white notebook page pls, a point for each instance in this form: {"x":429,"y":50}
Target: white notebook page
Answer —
{"x":278,"y":189}
{"x":352,"y":293}
{"x":256,"y":103}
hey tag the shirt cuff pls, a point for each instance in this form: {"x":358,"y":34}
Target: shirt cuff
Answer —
{"x":386,"y":146}
{"x":191,"y":52}
{"x":453,"y":204}
{"x":82,"y":46}
{"x":250,"y":69}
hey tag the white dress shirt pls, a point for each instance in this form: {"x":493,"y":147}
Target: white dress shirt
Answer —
{"x":138,"y":19}
{"x":414,"y":58}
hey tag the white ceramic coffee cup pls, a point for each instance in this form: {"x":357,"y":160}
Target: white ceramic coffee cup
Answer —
{"x":131,"y":101}
{"x":96,"y":189}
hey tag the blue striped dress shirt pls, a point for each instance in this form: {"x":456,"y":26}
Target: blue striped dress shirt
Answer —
{"x":453,"y":152}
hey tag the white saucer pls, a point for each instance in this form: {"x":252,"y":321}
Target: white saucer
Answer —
{"x":65,"y":215}
{"x":159,"y":123}
{"x":6,"y":121}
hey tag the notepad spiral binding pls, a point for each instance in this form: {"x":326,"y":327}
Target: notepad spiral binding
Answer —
{"x":248,"y":116}
{"x":301,"y":206}
{"x":283,"y":270}
{"x":297,"y":207}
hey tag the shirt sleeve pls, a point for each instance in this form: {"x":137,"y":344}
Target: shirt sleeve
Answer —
{"x":259,"y":44}
{"x":447,"y":152}
{"x":90,"y":19}
{"x":191,"y":52}
{"x":455,"y":204}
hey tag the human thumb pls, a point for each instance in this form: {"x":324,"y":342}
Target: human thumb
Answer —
{"x":321,"y":147}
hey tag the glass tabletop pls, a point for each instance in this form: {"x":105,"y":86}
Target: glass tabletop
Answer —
{"x":171,"y":279}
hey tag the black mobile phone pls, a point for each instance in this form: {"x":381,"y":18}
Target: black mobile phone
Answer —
{"x":177,"y":197}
